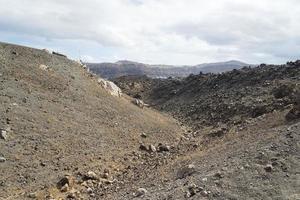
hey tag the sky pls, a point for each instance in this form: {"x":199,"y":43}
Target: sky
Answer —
{"x":174,"y":32}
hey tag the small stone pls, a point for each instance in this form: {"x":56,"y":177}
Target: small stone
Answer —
{"x":143,"y":135}
{"x":71,"y":195}
{"x":162,"y":147}
{"x":140,"y":192}
{"x":43,"y":67}
{"x":268,"y":168}
{"x":204,"y":179}
{"x":106,"y":171}
{"x":204,"y":193}
{"x":192,"y":190}
{"x":218,"y":175}
{"x":3,"y":134}
{"x":152,"y":148}
{"x":188,"y":194}
{"x":32,"y":195}
{"x":91,"y":176}
{"x":105,"y":175}
{"x":64,"y":183}
{"x":2,"y":159}
{"x":89,"y":190}
{"x":92,"y":195}
{"x":64,"y":188}
{"x":143,"y":147}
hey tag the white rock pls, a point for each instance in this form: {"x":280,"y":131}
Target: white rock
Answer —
{"x":32,"y":195}
{"x":110,"y":87}
{"x":92,"y":175}
{"x":3,"y":134}
{"x":43,"y":67}
{"x":2,"y":159}
{"x":152,"y":148}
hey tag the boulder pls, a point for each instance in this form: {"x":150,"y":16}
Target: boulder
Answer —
{"x":110,"y":87}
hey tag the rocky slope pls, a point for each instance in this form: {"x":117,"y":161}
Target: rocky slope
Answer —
{"x":124,"y":68}
{"x":243,"y":136}
{"x":63,"y":136}
{"x":56,"y":119}
{"x":208,"y":99}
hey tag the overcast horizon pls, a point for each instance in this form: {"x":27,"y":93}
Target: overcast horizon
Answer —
{"x":181,"y":32}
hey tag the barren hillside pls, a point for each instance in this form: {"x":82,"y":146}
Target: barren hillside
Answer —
{"x":63,"y":136}
{"x":60,"y":121}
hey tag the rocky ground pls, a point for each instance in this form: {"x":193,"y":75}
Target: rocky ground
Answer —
{"x":56,"y":120}
{"x":211,"y":99}
{"x":62,"y":136}
{"x":239,"y":138}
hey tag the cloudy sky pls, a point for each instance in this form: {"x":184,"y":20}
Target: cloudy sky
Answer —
{"x":157,"y":31}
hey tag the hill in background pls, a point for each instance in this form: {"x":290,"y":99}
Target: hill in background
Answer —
{"x":124,"y":68}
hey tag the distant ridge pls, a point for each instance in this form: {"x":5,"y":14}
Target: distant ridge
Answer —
{"x":126,"y":67}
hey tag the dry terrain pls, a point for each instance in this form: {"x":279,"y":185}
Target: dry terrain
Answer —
{"x":234,"y":135}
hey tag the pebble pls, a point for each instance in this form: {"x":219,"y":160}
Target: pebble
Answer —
{"x":91,"y":175}
{"x":71,"y":195}
{"x":32,"y":195}
{"x":3,"y":134}
{"x":64,"y":188}
{"x":143,"y":135}
{"x":143,"y":147}
{"x":92,"y":195}
{"x":141,"y":192}
{"x":162,"y":147}
{"x":269,"y":168}
{"x":218,"y":175}
{"x":105,"y":175}
{"x":204,"y":179}
{"x":89,"y":190}
{"x":152,"y":148}
{"x":43,"y":67}
{"x":204,"y":193}
{"x":2,"y":159}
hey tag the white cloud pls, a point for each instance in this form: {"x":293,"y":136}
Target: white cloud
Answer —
{"x":162,"y":31}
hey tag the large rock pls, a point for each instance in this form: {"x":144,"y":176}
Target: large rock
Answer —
{"x":109,"y":86}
